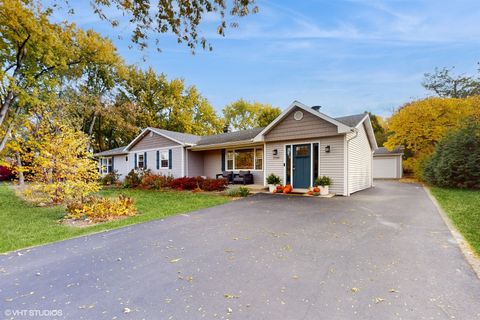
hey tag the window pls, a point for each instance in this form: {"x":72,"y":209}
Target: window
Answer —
{"x":164,"y":159}
{"x":302,"y":151}
{"x":106,"y":165}
{"x":230,"y":160}
{"x":244,"y":159}
{"x":126,"y":158}
{"x":259,"y":159}
{"x":141,"y":161}
{"x":288,"y":164}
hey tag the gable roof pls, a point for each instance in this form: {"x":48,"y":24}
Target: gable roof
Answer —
{"x":342,"y":128}
{"x":111,"y":152}
{"x":185,"y":138}
{"x":382,"y":151}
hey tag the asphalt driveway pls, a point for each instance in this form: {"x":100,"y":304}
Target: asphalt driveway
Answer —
{"x":384,"y":253}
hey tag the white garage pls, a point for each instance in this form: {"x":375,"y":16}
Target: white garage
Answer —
{"x":387,"y":164}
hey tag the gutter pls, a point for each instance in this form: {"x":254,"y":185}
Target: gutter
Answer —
{"x":223,"y":145}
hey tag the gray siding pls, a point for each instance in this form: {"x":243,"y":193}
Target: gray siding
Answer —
{"x":309,"y":127}
{"x":195,"y":163}
{"x":152,"y":142}
{"x":359,"y":161}
{"x":177,"y":161}
{"x":212,"y":163}
{"x":331,"y":164}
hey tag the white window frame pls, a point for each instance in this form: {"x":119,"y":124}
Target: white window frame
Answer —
{"x":161,"y":153}
{"x":142,"y":161}
{"x":105,"y":163}
{"x":254,"y":158}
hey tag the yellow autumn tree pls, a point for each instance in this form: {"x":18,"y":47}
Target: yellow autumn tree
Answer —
{"x":60,"y":167}
{"x":420,"y":124}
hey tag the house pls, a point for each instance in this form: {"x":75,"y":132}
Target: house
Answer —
{"x":299,"y":145}
{"x":387,"y":164}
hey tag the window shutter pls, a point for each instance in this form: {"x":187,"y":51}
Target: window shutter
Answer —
{"x":135,"y":161}
{"x":158,"y":160}
{"x":145,"y":160}
{"x":113,"y":164}
{"x":169,"y":158}
{"x":223,"y":160}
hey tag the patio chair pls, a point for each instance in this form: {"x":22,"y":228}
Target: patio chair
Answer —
{"x":243,"y":177}
{"x":226,"y":175}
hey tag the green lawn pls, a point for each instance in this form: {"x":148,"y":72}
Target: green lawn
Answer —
{"x":463,"y":208}
{"x":23,"y":225}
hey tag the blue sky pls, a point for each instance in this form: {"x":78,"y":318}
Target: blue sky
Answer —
{"x":347,"y":56}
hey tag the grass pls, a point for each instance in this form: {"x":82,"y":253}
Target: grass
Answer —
{"x":463,"y":208}
{"x":23,"y":224}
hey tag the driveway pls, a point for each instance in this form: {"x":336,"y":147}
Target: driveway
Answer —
{"x":383,"y":253}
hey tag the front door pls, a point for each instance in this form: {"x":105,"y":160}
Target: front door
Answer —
{"x":301,"y":166}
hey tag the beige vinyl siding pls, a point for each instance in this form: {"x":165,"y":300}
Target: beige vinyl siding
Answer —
{"x":359,"y":161}
{"x":212,"y":163}
{"x":155,"y":141}
{"x":331,"y":164}
{"x":121,"y":165}
{"x":194,"y":163}
{"x":309,"y":126}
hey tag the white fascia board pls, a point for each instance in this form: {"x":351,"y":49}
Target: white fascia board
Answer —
{"x":140,"y":136}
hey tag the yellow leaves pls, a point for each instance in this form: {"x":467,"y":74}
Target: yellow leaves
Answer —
{"x":355,"y":289}
{"x":99,"y":209}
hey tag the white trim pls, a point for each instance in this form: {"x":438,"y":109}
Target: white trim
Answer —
{"x":264,"y":164}
{"x":311,"y":143}
{"x":155,"y":149}
{"x":254,"y":158}
{"x":183,"y":163}
{"x":346,"y":189}
{"x":140,"y":136}
{"x":341,"y":128}
{"x":160,"y":151}
{"x":244,"y":143}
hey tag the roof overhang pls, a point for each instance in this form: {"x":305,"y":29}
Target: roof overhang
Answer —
{"x":370,"y":132}
{"x":341,"y":128}
{"x":149,"y":129}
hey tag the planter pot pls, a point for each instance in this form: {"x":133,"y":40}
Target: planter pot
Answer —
{"x":323,"y":190}
{"x":272,"y":187}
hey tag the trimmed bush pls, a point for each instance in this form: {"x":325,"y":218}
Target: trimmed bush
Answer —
{"x":456,"y":159}
{"x":99,"y":209}
{"x":214,"y":184}
{"x":152,"y":181}
{"x":186,"y":183}
{"x":273,"y":179}
{"x":238,"y":192}
{"x":110,"y":178}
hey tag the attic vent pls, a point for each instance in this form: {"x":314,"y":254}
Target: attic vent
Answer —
{"x":316,"y":108}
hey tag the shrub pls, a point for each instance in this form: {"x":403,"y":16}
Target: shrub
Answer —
{"x":99,"y":209}
{"x":238,"y":192}
{"x":155,"y":181}
{"x":214,"y":184}
{"x":323,"y":181}
{"x":5,"y":173}
{"x":273,"y":179}
{"x":134,"y":178}
{"x":186,"y":183}
{"x":455,"y":161}
{"x":110,"y":178}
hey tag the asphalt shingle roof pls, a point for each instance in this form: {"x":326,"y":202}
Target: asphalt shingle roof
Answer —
{"x":179,"y":136}
{"x":351,"y":121}
{"x":111,"y":152}
{"x":385,"y":151}
{"x":230,"y":137}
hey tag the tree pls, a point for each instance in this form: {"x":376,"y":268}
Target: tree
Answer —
{"x":242,"y":115}
{"x":61,"y":169}
{"x":36,"y":56}
{"x":378,"y":125}
{"x":168,"y":104}
{"x":456,"y":159}
{"x":420,"y":125}
{"x":178,"y":17}
{"x":444,"y":84}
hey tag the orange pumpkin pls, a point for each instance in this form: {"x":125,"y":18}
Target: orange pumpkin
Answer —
{"x":316,"y":189}
{"x":287,"y":189}
{"x":310,"y":193}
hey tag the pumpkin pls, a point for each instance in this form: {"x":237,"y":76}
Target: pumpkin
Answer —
{"x":310,"y":193}
{"x":287,"y":189}
{"x":316,"y":189}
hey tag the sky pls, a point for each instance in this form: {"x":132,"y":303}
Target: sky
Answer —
{"x":349,"y":56}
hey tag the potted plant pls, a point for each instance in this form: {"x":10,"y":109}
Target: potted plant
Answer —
{"x":323,"y":182}
{"x":273,"y":181}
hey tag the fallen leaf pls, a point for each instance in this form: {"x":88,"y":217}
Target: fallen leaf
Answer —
{"x":378,"y":300}
{"x":295,"y":277}
{"x":229,"y":310}
{"x":392,"y":290}
{"x":231,"y":296}
{"x":175,"y":260}
{"x":354,"y":289}
{"x":126,"y":310}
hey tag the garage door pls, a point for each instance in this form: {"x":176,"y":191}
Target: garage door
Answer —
{"x":385,"y":167}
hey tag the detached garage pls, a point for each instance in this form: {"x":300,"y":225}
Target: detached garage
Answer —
{"x":387,"y":164}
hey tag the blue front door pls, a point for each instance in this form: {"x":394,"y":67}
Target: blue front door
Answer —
{"x":301,"y":166}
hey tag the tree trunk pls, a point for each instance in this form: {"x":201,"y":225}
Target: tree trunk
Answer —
{"x":21,"y":177}
{"x":7,"y":135}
